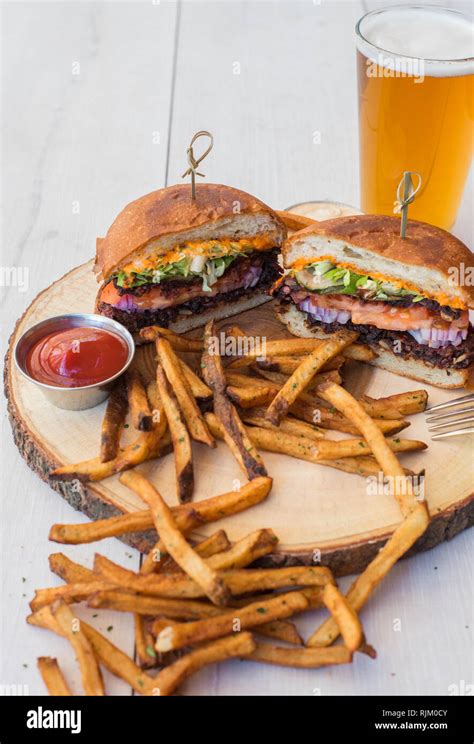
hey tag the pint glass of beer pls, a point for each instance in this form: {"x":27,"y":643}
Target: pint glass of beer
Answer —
{"x":416,"y":108}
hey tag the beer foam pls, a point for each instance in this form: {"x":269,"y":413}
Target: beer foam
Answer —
{"x":443,"y":39}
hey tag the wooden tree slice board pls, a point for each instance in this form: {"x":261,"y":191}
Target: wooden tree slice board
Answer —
{"x":317,"y":512}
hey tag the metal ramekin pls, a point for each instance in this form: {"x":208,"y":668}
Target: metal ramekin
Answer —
{"x":77,"y":398}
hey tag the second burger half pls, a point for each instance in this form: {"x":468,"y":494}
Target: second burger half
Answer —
{"x":407,"y":299}
{"x":176,"y":262}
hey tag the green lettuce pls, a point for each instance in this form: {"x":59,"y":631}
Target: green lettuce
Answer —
{"x":344,"y":281}
{"x":211,"y":271}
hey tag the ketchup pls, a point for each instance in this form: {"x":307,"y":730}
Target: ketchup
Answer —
{"x":76,"y":357}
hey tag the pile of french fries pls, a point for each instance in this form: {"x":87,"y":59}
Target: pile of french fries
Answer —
{"x":200,"y":603}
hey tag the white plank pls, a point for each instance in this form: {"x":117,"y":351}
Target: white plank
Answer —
{"x":85,"y":138}
{"x":291,"y":83}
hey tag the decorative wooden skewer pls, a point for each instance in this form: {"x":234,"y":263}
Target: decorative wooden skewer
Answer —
{"x":193,"y":162}
{"x":406,"y":193}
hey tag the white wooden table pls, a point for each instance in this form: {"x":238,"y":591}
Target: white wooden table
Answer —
{"x":99,"y":102}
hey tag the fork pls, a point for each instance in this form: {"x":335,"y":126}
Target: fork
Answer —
{"x":448,"y":419}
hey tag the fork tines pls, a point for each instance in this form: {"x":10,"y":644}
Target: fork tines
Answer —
{"x":450,"y":403}
{"x":452,"y":418}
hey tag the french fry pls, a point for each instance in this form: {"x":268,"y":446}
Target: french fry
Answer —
{"x":344,"y":402}
{"x":363,"y":466}
{"x":88,"y":532}
{"x":92,"y":681}
{"x":304,"y":658}
{"x":345,"y":616}
{"x":280,"y":379}
{"x":181,"y":442}
{"x":207,"y":510}
{"x":68,"y":593}
{"x":86,"y":471}
{"x":142,"y":418}
{"x":403,"y":404}
{"x":240,"y":644}
{"x":235,"y":434}
{"x":292,"y":426}
{"x":314,"y":413}
{"x":179,"y":343}
{"x":194,"y":420}
{"x":176,"y":545}
{"x":146,"y":361}
{"x":303,"y":375}
{"x":245,"y":551}
{"x":198,"y":388}
{"x":329,"y":449}
{"x":406,"y":534}
{"x":144,"y":641}
{"x":239,"y":581}
{"x":147,"y":446}
{"x":250,"y":397}
{"x":144,"y":650}
{"x":188,"y":634}
{"x":301,"y":347}
{"x":53,"y":676}
{"x":359,"y":353}
{"x":286,"y":365}
{"x":282,"y":630}
{"x":68,"y":570}
{"x":114,"y":417}
{"x":177,"y":609}
{"x":239,"y":380}
{"x":109,"y":655}
{"x":314,"y":595}
{"x":160,"y":422}
{"x":237,"y":440}
{"x":216,"y":543}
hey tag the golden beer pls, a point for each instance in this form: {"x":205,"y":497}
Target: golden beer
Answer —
{"x":416,"y":111}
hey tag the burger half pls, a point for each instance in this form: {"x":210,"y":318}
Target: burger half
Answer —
{"x":407,"y":298}
{"x":176,"y":262}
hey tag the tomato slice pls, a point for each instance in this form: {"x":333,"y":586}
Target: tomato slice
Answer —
{"x":109,"y":294}
{"x":385,"y":316}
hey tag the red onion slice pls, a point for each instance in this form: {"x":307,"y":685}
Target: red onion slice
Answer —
{"x":127,"y":303}
{"x":324,"y":314}
{"x":437,"y":338}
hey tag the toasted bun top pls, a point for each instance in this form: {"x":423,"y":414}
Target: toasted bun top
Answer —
{"x":153,"y":224}
{"x":429,"y":260}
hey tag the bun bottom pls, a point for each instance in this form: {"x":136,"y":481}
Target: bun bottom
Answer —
{"x":416,"y":369}
{"x":219,"y":311}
